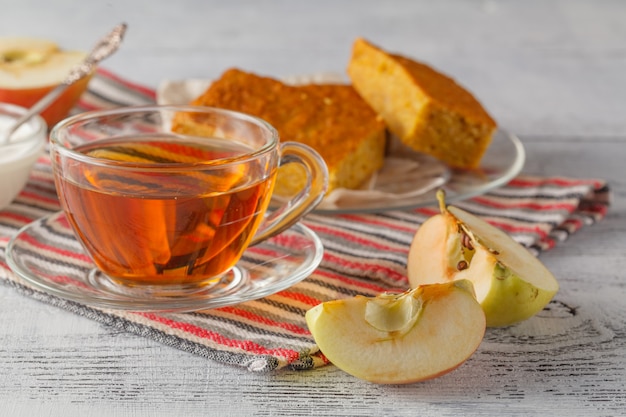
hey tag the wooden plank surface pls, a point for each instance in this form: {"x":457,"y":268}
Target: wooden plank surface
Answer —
{"x":551,"y":71}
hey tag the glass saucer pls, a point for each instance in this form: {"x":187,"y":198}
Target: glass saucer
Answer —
{"x":47,"y":256}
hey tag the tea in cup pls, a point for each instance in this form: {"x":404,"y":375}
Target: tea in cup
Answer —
{"x":156,"y":207}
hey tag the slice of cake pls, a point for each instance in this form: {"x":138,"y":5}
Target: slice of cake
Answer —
{"x":331,"y":118}
{"x":427,"y":110}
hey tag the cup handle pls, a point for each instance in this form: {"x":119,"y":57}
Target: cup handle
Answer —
{"x":305,"y":200}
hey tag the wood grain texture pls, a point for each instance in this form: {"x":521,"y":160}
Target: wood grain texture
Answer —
{"x":551,"y":71}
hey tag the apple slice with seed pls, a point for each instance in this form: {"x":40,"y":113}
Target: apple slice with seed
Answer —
{"x":400,"y":338}
{"x":511,"y":284}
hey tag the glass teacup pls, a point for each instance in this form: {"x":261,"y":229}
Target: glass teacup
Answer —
{"x":169,"y":197}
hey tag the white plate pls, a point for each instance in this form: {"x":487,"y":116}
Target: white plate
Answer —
{"x":503,"y":160}
{"x":46,"y":255}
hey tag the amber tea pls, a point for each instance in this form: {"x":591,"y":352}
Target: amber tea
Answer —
{"x":161,"y":225}
{"x":166,"y":199}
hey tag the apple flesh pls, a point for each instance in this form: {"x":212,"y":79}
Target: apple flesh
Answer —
{"x":30,"y":68}
{"x":510,"y":283}
{"x":400,"y":338}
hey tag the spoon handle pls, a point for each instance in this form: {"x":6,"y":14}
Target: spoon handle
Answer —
{"x":36,"y":109}
{"x":104,"y":48}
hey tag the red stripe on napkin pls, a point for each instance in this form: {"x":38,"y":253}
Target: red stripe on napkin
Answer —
{"x":55,"y":250}
{"x":246,"y":345}
{"x":18,"y":218}
{"x":149,"y":92}
{"x":342,"y":281}
{"x":558,"y":181}
{"x":264,"y":320}
{"x":300,"y":297}
{"x":379,"y":222}
{"x":39,"y":197}
{"x":525,"y":205}
{"x":351,"y":237}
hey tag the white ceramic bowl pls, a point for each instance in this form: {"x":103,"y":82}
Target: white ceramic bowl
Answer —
{"x":18,"y":156}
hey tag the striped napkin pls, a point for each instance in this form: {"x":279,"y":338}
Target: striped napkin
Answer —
{"x":364,"y":254}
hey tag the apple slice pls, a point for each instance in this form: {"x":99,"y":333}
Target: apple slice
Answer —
{"x":30,"y":68}
{"x":511,"y":284}
{"x":400,"y":338}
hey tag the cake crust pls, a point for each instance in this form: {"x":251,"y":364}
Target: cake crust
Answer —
{"x":426,"y":109}
{"x":331,"y":118}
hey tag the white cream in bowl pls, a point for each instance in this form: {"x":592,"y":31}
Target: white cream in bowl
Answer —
{"x":18,"y":156}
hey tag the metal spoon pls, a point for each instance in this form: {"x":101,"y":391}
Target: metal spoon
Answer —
{"x":104,"y":48}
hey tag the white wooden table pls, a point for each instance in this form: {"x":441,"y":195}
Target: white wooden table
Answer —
{"x":553,"y":72}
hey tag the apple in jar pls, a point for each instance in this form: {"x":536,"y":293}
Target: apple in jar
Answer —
{"x":30,"y":68}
